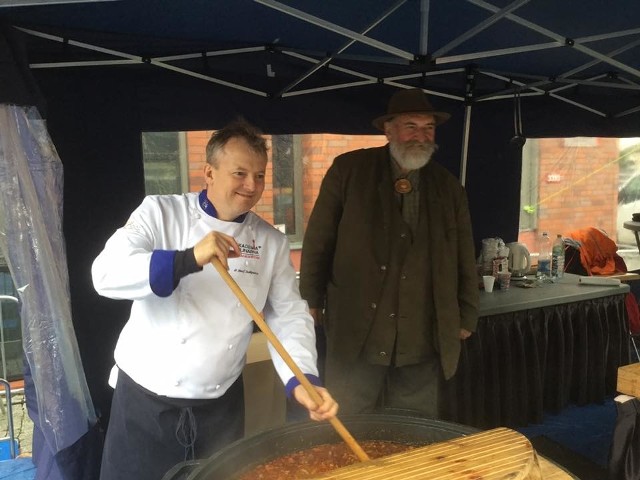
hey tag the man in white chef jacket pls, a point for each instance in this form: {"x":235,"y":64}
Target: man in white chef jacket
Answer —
{"x":178,"y":391}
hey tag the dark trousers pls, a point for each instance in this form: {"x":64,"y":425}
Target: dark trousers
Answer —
{"x":360,"y":387}
{"x":149,"y":434}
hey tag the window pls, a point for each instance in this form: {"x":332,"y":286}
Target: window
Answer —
{"x":574,"y":183}
{"x":287,"y":185}
{"x":529,"y":186}
{"x":165,"y":162}
{"x":11,"y":356}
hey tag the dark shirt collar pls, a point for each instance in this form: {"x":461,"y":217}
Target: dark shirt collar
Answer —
{"x":209,"y":209}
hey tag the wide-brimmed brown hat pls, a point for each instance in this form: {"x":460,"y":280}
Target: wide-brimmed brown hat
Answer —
{"x":412,"y":100}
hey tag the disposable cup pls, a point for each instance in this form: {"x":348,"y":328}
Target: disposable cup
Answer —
{"x":488,"y":281}
{"x":505,"y":279}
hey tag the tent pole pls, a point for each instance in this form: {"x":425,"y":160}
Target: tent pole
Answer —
{"x":465,"y":144}
{"x":467,"y":123}
{"x":424,"y":27}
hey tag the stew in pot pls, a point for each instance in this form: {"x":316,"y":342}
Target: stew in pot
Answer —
{"x":318,"y":460}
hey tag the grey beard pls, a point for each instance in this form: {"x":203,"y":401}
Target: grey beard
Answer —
{"x":413,"y":155}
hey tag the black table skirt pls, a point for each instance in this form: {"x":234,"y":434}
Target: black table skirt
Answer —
{"x":521,"y":364}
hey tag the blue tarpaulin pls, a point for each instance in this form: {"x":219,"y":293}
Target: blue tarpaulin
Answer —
{"x":17,"y":469}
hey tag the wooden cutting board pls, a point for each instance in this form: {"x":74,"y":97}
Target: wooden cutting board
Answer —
{"x":498,"y":454}
{"x":551,"y":471}
{"x":629,"y":379}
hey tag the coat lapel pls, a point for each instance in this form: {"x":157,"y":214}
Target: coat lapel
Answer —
{"x":431,"y":203}
{"x":385,"y":202}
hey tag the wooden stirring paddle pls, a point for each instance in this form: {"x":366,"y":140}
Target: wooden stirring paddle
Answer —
{"x":304,"y":381}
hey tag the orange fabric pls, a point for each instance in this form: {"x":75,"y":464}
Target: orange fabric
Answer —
{"x":598,"y":252}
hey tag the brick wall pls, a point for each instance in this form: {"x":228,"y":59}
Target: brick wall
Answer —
{"x":575,"y":175}
{"x":318,"y":152}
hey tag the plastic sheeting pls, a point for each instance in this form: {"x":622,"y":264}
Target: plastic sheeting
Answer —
{"x":31,"y":240}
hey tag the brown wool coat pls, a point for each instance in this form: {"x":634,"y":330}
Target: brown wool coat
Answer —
{"x":346,"y":248}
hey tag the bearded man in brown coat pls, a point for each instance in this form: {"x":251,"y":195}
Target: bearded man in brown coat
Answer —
{"x":388,"y":266}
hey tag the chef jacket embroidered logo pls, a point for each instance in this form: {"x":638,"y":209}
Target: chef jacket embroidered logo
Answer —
{"x":250,"y":251}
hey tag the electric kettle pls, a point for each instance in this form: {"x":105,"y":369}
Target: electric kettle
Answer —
{"x":519,"y":259}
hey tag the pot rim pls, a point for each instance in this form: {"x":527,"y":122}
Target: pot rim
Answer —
{"x":323,"y":432}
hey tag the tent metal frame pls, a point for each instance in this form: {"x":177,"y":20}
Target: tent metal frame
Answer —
{"x":623,"y":76}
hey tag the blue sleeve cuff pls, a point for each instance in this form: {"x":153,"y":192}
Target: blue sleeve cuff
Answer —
{"x":161,"y":272}
{"x":294,"y":382}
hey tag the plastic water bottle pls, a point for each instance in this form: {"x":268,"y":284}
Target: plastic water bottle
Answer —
{"x":557,"y":257}
{"x":544,"y":257}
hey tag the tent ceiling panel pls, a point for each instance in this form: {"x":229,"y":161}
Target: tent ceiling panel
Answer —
{"x":580,"y":54}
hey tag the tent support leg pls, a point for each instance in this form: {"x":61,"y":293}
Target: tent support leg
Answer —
{"x":467,"y":125}
{"x":424,"y":27}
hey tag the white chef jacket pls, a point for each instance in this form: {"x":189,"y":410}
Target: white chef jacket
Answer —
{"x":193,"y":343}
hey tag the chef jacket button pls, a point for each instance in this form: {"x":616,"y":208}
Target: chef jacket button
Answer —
{"x":246,"y":262}
{"x":403,"y":277}
{"x":383,"y":267}
{"x":183,"y":341}
{"x":217,"y":387}
{"x":230,"y":346}
{"x":374,"y":306}
{"x":176,"y":383}
{"x":403,"y":235}
{"x":383,"y":354}
{"x":392,"y":315}
{"x":238,"y":304}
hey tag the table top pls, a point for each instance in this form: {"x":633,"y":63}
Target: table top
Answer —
{"x":631,"y":225}
{"x":625,"y":277}
{"x":565,"y":290}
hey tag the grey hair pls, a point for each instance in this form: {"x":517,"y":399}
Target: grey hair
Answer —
{"x":239,"y":128}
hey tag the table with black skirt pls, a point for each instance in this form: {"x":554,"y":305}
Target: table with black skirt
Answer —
{"x":538,"y":350}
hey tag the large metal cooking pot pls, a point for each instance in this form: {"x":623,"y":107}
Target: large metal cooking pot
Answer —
{"x":247,"y":453}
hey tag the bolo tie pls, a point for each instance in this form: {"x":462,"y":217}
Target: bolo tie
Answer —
{"x":402,"y":186}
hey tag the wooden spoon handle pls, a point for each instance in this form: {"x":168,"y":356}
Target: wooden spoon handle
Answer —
{"x":304,"y":381}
